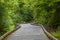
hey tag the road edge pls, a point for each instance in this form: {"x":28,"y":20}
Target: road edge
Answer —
{"x":46,"y":32}
{"x":10,"y":32}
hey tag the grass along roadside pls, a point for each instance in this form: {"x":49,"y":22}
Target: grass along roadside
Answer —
{"x":57,"y":33}
{"x":54,"y":33}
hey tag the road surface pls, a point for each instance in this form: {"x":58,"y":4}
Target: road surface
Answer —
{"x":28,"y":32}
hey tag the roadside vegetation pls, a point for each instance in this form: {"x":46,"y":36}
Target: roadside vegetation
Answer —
{"x":46,"y":12}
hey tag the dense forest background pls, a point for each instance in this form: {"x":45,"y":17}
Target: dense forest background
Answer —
{"x":46,"y":12}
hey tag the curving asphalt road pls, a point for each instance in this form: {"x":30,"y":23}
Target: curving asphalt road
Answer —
{"x":28,"y":32}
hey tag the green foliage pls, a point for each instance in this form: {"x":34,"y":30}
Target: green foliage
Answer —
{"x":46,"y":12}
{"x":6,"y":23}
{"x":57,"y":35}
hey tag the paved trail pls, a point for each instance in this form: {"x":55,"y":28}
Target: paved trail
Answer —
{"x":28,"y":32}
